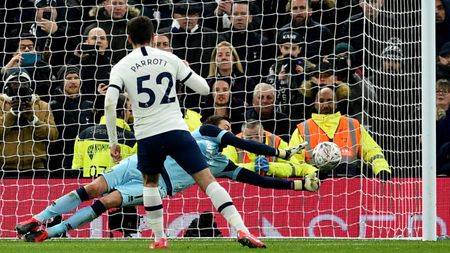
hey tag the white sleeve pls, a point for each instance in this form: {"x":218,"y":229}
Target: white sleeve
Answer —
{"x":191,"y":79}
{"x":112,"y":94}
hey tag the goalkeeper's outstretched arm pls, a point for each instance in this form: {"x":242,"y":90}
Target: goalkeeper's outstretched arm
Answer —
{"x":308,"y":183}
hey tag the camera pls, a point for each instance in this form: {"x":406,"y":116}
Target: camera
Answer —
{"x":291,"y":64}
{"x":339,"y":62}
{"x":47,"y":15}
{"x":86,"y":48}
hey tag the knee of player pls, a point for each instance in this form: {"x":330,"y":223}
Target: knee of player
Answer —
{"x":112,"y":200}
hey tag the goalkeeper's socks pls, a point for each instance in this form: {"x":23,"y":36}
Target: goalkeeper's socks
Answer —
{"x":154,"y":209}
{"x":78,"y":219}
{"x":60,"y":206}
{"x":223,"y":203}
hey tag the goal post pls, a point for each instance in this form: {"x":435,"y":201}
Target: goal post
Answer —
{"x":428,"y":121}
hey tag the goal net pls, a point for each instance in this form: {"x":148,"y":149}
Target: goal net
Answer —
{"x":371,"y":47}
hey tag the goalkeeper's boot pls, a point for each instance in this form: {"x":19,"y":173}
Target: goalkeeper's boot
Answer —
{"x":163,"y":243}
{"x":38,"y":236}
{"x":30,"y":225}
{"x":249,"y":240}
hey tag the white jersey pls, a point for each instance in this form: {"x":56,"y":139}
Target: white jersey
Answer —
{"x":149,"y":76}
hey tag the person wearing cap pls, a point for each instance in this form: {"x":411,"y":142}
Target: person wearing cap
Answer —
{"x":72,"y":113}
{"x":26,"y":125}
{"x":355,"y":143}
{"x":367,"y":30}
{"x":27,"y":57}
{"x":190,"y":40}
{"x":287,"y":74}
{"x":443,"y":63}
{"x":393,"y":115}
{"x":317,"y":37}
{"x":324,"y":76}
{"x":112,"y":17}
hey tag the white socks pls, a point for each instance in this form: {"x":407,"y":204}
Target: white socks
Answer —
{"x":154,"y":209}
{"x":223,"y":203}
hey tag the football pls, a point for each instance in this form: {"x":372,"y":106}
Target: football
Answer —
{"x":327,"y":155}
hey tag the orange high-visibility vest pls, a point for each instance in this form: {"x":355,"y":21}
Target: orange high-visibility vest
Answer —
{"x":347,"y":137}
{"x":271,"y":140}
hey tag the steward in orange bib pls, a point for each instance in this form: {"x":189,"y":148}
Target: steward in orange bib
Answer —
{"x":354,"y":141}
{"x":271,"y":166}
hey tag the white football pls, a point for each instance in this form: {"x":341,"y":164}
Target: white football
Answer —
{"x":327,"y":156}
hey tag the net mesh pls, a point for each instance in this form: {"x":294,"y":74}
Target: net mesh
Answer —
{"x":372,"y":47}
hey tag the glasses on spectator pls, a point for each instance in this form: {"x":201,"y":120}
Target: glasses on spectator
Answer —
{"x":23,"y":47}
{"x":442,"y":91}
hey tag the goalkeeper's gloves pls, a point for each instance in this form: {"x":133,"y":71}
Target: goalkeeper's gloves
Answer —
{"x":309,"y":183}
{"x":288,"y":153}
{"x":261,"y":165}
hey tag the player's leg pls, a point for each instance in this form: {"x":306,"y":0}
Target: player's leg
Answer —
{"x":64,"y":205}
{"x":151,"y":156}
{"x":191,"y":159}
{"x":79,"y":218}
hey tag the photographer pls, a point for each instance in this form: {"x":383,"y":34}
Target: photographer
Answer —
{"x":26,"y":125}
{"x":93,"y":57}
{"x":28,"y":58}
{"x":288,"y":73}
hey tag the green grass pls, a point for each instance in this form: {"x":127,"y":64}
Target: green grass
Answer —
{"x":228,"y":246}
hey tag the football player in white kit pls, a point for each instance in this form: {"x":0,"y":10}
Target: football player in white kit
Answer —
{"x":149,"y":75}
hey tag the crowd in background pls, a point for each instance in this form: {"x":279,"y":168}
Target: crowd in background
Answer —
{"x":265,"y":61}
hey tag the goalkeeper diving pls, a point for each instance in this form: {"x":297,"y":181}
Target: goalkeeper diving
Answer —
{"x":122,"y":186}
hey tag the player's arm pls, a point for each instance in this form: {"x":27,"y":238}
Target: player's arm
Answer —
{"x":228,"y":138}
{"x":308,"y":183}
{"x":112,"y":95}
{"x":191,"y":79}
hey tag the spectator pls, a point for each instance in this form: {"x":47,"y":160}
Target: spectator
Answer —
{"x":50,"y":31}
{"x":443,"y":126}
{"x":324,"y":76}
{"x":190,"y":40}
{"x":27,"y":125}
{"x":112,"y":17}
{"x":394,"y":117}
{"x":443,"y":64}
{"x":220,"y":103}
{"x":95,"y":67}
{"x":263,"y":109}
{"x":442,"y":23}
{"x":159,"y":11}
{"x":162,"y":41}
{"x":316,"y":37}
{"x":225,"y":62}
{"x":367,"y":31}
{"x":254,"y":130}
{"x":91,"y":150}
{"x":29,"y":59}
{"x":255,"y":50}
{"x":354,"y":141}
{"x":288,"y":73}
{"x":72,"y":112}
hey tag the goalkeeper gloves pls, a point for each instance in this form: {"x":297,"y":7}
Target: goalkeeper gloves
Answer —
{"x":261,"y":165}
{"x":309,"y":183}
{"x":288,"y":153}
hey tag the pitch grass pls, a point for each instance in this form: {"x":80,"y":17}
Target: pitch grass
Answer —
{"x":226,"y":245}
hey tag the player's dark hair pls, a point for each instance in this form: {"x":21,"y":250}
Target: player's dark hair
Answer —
{"x":214,"y":120}
{"x":140,"y":29}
